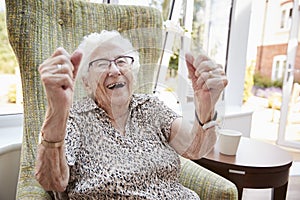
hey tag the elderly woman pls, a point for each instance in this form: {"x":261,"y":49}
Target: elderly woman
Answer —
{"x":114,"y":144}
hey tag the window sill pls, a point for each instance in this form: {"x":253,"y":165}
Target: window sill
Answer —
{"x":11,"y":129}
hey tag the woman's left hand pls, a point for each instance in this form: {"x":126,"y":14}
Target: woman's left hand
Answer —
{"x":208,"y":81}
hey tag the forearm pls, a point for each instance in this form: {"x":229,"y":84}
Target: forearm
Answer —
{"x":54,"y":126}
{"x":191,"y":141}
{"x":203,"y":142}
{"x":51,"y":169}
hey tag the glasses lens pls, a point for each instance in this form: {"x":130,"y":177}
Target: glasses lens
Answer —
{"x":123,"y":61}
{"x":101,"y":64}
{"x":104,"y":64}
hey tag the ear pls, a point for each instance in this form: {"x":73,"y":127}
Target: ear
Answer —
{"x":87,"y":86}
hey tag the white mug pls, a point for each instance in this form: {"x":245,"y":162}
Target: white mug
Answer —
{"x":229,"y":141}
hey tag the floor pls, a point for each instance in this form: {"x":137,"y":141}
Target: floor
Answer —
{"x":293,"y":192}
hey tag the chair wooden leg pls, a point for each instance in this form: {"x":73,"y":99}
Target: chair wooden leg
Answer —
{"x":240,"y":193}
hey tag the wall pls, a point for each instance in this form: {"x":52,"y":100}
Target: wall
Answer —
{"x":272,"y":40}
{"x":265,"y":55}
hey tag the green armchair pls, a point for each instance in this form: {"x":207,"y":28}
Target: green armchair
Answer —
{"x":37,"y":28}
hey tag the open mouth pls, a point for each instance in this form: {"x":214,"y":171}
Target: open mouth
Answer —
{"x":116,"y":85}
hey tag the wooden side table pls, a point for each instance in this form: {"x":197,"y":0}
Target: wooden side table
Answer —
{"x":256,"y":165}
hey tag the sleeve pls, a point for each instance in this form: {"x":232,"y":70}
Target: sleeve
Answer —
{"x":72,"y":140}
{"x":163,"y":116}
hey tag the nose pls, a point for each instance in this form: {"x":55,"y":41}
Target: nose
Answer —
{"x":114,"y":70}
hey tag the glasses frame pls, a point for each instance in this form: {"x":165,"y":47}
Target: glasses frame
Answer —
{"x":110,"y":61}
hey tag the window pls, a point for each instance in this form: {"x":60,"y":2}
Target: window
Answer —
{"x":278,"y":68}
{"x":282,"y":22}
{"x":11,"y":108}
{"x":211,"y":21}
{"x":286,"y":16}
{"x":10,"y":93}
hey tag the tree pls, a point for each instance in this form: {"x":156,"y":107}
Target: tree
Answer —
{"x":8,"y":60}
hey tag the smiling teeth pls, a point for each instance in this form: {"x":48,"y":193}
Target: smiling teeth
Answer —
{"x":115,"y":85}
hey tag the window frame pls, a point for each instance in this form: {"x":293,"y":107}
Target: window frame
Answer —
{"x":234,"y":97}
{"x":278,"y":72}
{"x":286,"y":17}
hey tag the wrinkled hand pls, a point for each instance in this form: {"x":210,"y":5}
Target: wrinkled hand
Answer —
{"x":58,"y":75}
{"x":208,"y":81}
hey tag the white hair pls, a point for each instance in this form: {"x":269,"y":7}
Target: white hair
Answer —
{"x":95,"y":40}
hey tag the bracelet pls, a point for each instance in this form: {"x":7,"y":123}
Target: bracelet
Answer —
{"x":49,"y":144}
{"x":208,"y":124}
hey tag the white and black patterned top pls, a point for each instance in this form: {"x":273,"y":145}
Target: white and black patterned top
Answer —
{"x":105,"y":164}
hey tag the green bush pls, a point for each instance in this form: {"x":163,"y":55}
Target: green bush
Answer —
{"x":278,"y":83}
{"x":8,"y":61}
{"x":265,"y":82}
{"x":173,"y":64}
{"x":248,"y":84}
{"x":12,"y":94}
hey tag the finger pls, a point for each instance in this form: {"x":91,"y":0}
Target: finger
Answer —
{"x":64,"y":69}
{"x":57,"y":80}
{"x":60,"y":51}
{"x":189,"y":63}
{"x":200,"y":80}
{"x":215,"y":83}
{"x":205,"y":66}
{"x":200,"y":59}
{"x":219,"y":66}
{"x":64,"y":80}
{"x":64,"y":61}
{"x":61,"y":56}
{"x":203,"y":77}
{"x":217,"y":72}
{"x":75,"y":60}
{"x":57,"y":65}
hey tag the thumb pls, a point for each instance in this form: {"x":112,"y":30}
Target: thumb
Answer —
{"x":75,"y":59}
{"x":189,"y":58}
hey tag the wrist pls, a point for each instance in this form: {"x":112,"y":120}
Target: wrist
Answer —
{"x":50,"y":144}
{"x":209,"y":124}
{"x":54,"y":129}
{"x":52,"y":136}
{"x":213,"y":118}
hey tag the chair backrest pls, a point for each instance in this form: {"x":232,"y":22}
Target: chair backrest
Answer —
{"x":37,"y":28}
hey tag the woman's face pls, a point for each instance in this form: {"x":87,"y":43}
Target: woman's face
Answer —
{"x":110,"y":85}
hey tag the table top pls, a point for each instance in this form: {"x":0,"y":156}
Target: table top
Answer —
{"x":252,"y":153}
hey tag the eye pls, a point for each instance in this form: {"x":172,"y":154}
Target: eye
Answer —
{"x":121,"y":62}
{"x":101,"y":64}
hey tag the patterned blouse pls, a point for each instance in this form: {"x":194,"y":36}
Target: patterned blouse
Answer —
{"x":105,"y":164}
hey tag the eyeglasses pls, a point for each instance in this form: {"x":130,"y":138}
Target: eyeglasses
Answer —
{"x":104,"y":64}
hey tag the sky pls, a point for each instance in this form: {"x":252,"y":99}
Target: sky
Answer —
{"x":2,"y":5}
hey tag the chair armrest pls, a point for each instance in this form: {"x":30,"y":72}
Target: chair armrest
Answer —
{"x":206,"y":184}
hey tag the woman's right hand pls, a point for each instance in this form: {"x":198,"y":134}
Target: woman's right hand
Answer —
{"x":58,"y":75}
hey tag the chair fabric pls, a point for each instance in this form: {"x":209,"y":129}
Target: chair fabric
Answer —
{"x":37,"y":28}
{"x":205,"y":183}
